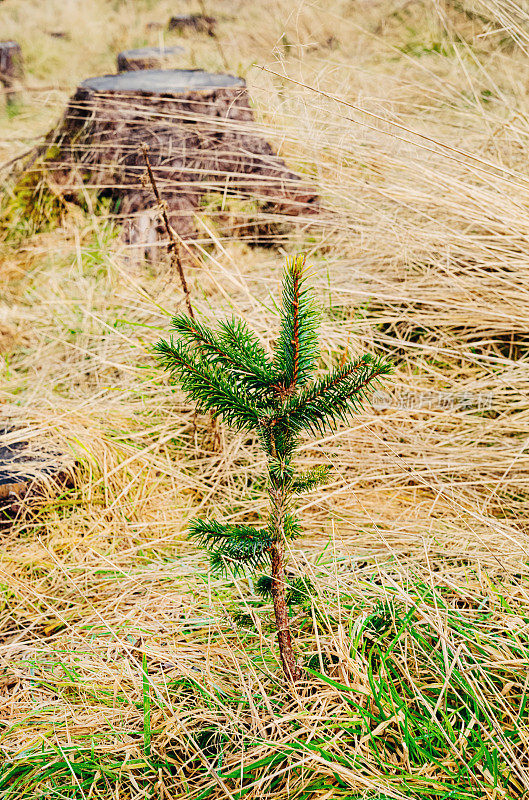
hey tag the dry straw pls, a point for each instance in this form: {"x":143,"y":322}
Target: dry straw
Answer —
{"x":124,"y":671}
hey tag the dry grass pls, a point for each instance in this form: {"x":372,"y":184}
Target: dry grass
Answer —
{"x":126,"y":671}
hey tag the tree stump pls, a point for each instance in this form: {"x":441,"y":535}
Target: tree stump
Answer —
{"x":195,"y":23}
{"x":11,"y":68}
{"x":199,"y":129}
{"x":146,"y":57}
{"x":27,"y":470}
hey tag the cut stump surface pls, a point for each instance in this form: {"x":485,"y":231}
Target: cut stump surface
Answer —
{"x":200,"y":132}
{"x":165,"y":82}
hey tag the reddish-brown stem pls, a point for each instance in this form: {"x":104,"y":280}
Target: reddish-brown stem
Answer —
{"x":278,"y":508}
{"x":295,"y":339}
{"x":284,"y":637}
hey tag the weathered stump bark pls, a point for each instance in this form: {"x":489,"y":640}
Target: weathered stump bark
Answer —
{"x":27,"y":470}
{"x":197,"y":23}
{"x":11,"y":68}
{"x":201,"y":136}
{"x":147,"y":58}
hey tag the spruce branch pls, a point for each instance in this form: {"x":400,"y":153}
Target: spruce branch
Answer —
{"x":237,"y":335}
{"x":234,"y":546}
{"x":335,"y":396}
{"x":210,"y":532}
{"x":291,"y":526}
{"x":239,"y":555}
{"x":299,"y":590}
{"x":263,"y":586}
{"x":242,"y":356}
{"x":207,"y":385}
{"x":310,"y":480}
{"x":281,"y":471}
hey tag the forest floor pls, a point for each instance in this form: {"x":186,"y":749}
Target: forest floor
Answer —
{"x":126,"y":671}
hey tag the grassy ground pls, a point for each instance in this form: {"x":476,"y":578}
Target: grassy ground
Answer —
{"x":127,"y":672}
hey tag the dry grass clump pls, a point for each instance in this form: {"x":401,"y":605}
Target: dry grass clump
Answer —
{"x":414,"y":686}
{"x":125,"y":672}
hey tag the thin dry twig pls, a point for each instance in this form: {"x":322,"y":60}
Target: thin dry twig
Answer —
{"x":176,"y":261}
{"x":174,"y":248}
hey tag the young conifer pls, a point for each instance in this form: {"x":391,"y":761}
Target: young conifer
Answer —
{"x":228,"y":372}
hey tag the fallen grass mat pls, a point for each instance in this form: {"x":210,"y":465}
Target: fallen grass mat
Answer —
{"x":412,"y":690}
{"x":123,"y":676}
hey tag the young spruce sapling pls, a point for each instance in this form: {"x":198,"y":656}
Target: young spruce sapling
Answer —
{"x":228,"y":372}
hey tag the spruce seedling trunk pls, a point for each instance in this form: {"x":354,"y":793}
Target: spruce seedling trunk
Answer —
{"x":228,"y":372}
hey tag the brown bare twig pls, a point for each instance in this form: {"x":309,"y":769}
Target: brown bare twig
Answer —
{"x":174,"y":248}
{"x":176,"y":261}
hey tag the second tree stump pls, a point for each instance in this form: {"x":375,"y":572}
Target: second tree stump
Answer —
{"x":146,"y":57}
{"x":196,"y":23}
{"x":11,"y":68}
{"x":201,"y":136}
{"x":29,"y":470}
